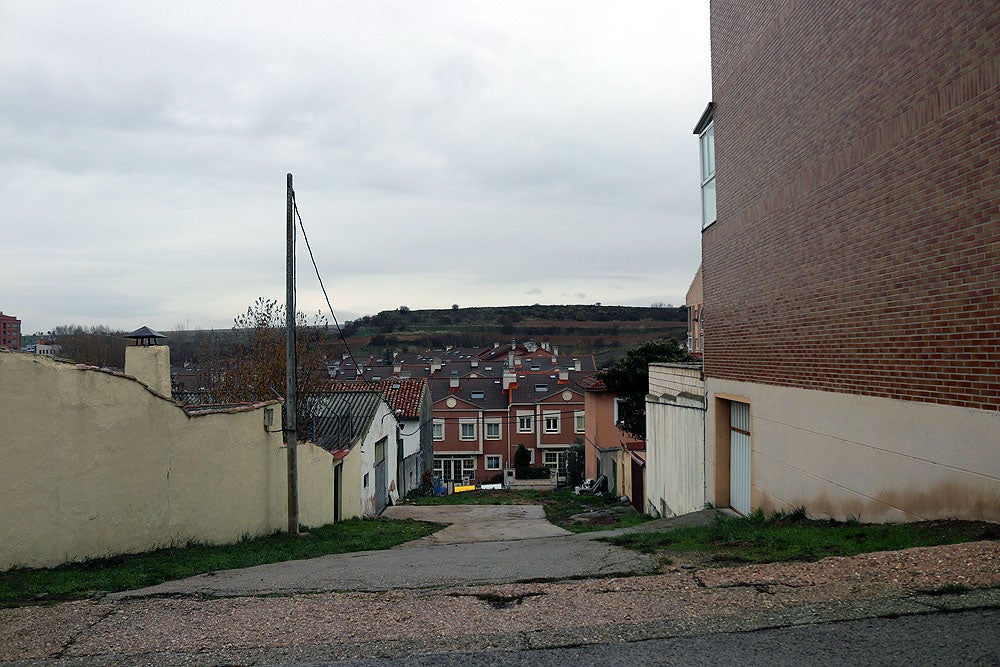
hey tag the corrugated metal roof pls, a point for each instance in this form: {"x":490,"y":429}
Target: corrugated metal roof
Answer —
{"x":339,"y":419}
{"x":199,"y":397}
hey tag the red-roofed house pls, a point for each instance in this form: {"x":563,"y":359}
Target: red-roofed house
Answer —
{"x":604,"y":442}
{"x":410,"y":401}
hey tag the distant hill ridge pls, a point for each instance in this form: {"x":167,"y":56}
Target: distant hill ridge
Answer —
{"x":584,"y":328}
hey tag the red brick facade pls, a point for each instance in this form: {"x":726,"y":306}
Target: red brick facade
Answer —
{"x":10,"y":332}
{"x":857,"y":247}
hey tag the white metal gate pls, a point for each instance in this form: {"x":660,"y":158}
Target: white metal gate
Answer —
{"x":739,"y":457}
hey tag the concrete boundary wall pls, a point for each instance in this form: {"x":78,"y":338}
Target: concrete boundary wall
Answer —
{"x":843,"y":455}
{"x":96,"y":464}
{"x":675,"y":440}
{"x":316,"y":485}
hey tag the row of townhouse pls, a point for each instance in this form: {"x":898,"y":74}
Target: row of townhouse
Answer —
{"x":849,"y":274}
{"x":479,"y":423}
{"x":408,"y":400}
{"x":488,"y":401}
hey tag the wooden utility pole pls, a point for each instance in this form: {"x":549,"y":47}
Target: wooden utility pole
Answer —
{"x":291,"y":394}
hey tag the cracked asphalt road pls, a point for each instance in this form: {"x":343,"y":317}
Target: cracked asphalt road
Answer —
{"x":481,"y":544}
{"x":432,"y":598}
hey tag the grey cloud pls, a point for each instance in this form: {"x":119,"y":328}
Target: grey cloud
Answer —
{"x":442,"y":152}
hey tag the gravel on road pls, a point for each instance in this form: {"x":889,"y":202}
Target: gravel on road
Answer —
{"x":515,"y":616}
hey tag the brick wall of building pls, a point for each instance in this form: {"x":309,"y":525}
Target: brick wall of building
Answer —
{"x":857,"y":247}
{"x":10,"y":332}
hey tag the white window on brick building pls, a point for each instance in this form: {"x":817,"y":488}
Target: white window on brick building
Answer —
{"x":455,"y":468}
{"x":556,"y":460}
{"x":705,"y":129}
{"x":467,"y":429}
{"x":551,"y":422}
{"x":438,"y":429}
{"x":525,"y":423}
{"x":493,"y":429}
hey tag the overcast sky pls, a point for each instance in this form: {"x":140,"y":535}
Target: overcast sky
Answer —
{"x":478,"y":153}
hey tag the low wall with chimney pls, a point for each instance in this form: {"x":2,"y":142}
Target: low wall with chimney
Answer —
{"x":97,"y":464}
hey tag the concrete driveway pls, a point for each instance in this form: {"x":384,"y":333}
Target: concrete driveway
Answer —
{"x":482,"y":544}
{"x":479,"y":523}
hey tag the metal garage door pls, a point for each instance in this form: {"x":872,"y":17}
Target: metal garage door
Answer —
{"x":739,"y":457}
{"x":381,"y":490}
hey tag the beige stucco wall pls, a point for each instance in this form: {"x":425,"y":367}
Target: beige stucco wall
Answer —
{"x":675,"y":440}
{"x":97,"y":464}
{"x":150,"y":365}
{"x":351,"y":478}
{"x":876,"y":459}
{"x":314,"y":470}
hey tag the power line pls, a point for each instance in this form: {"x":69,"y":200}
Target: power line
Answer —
{"x":507,"y":419}
{"x":322,"y":287}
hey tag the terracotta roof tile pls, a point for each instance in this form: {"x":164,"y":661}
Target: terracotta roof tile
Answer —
{"x":404,"y":396}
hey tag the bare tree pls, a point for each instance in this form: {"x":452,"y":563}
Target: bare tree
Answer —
{"x":253,"y":368}
{"x":98,"y":345}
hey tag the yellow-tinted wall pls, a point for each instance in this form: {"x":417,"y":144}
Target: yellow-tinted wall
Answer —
{"x":845,"y":455}
{"x":96,"y":464}
{"x":625,"y":483}
{"x":149,"y":364}
{"x":315,"y":475}
{"x":351,"y":478}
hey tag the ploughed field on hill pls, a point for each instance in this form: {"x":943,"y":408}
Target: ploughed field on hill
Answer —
{"x":583,"y":329}
{"x":603,"y":331}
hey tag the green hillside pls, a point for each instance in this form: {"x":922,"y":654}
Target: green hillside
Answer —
{"x":585,"y":329}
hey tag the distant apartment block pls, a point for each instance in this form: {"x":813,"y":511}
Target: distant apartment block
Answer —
{"x":10,"y":332}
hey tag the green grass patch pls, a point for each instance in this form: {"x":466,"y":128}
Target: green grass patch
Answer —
{"x":794,"y":537}
{"x":564,"y":508}
{"x":476,"y":498}
{"x":128,"y":572}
